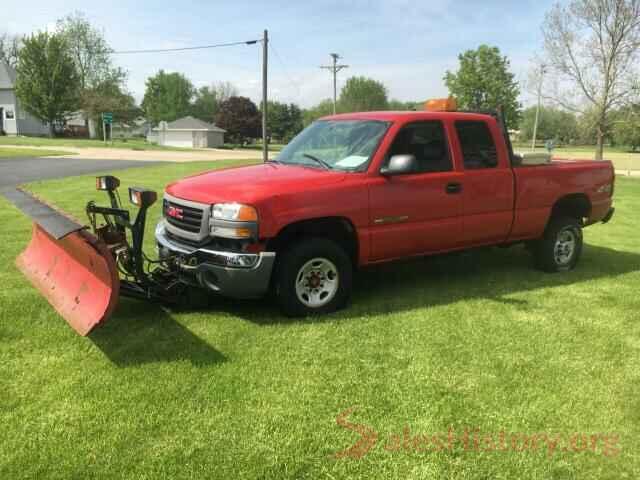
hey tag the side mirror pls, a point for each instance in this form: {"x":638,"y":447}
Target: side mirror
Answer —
{"x":400,"y":165}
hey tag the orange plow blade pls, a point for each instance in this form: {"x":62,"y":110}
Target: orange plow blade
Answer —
{"x":77,"y":274}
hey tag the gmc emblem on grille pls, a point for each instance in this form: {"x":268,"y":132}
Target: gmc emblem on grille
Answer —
{"x":175,"y":212}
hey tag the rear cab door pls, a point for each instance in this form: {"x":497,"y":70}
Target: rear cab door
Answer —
{"x":488,"y":181}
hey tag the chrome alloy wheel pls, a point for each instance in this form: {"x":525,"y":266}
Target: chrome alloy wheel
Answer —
{"x":565,"y":246}
{"x":317,"y":282}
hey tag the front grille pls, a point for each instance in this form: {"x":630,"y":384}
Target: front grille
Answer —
{"x":191,"y":220}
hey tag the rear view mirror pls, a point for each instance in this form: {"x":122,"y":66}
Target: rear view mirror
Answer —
{"x":400,"y":165}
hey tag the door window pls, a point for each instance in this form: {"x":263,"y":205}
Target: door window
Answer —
{"x":478,"y":147}
{"x":427,"y":142}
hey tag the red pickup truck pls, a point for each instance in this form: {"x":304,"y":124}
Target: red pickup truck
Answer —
{"x":356,"y":189}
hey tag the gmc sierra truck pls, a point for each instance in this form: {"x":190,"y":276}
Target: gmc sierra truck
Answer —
{"x":356,"y":189}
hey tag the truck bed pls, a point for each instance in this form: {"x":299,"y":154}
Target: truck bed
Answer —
{"x":539,"y":187}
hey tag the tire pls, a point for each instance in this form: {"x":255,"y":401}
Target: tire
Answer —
{"x":313,"y":276}
{"x":560,"y":247}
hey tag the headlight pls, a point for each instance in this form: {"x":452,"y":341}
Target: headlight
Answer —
{"x":235,"y":211}
{"x":233,"y":220}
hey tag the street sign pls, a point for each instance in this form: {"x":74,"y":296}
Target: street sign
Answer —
{"x":107,"y":118}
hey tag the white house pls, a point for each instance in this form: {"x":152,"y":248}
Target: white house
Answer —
{"x":188,"y":132}
{"x":13,"y":119}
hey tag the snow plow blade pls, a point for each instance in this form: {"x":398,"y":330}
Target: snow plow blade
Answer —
{"x":74,"y":271}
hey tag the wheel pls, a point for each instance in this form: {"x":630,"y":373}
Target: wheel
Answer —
{"x":313,"y":276}
{"x":560,"y":247}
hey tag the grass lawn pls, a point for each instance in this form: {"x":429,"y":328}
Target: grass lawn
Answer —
{"x":7,"y":152}
{"x":477,"y":340}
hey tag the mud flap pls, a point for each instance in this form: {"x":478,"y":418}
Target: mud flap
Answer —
{"x":76,"y":273}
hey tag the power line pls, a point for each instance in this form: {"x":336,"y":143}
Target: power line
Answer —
{"x":182,"y":49}
{"x":294,"y":84}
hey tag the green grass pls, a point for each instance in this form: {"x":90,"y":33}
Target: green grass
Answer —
{"x":8,"y":152}
{"x":135,"y":143}
{"x":478,"y":339}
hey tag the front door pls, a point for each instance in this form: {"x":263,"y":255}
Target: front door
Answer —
{"x":421,"y":212}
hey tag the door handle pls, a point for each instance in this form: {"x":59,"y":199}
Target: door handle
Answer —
{"x":453,"y":187}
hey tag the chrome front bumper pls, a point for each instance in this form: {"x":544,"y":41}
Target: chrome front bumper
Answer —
{"x":232,"y":274}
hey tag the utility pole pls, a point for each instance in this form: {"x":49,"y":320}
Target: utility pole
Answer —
{"x":334,"y":68}
{"x":265,"y":50}
{"x":535,"y":123}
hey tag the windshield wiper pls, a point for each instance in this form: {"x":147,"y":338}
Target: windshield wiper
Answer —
{"x":318,"y":160}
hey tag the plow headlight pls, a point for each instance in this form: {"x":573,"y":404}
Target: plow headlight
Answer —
{"x":141,"y":197}
{"x":107,"y":183}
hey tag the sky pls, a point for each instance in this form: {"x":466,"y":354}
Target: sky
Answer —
{"x":408,"y":45}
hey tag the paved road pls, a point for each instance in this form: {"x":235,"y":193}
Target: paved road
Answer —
{"x":17,"y":171}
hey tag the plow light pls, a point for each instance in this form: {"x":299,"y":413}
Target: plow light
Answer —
{"x":141,"y":197}
{"x":107,"y":183}
{"x":441,"y":105}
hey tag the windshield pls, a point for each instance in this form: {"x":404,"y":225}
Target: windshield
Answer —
{"x":335,"y":144}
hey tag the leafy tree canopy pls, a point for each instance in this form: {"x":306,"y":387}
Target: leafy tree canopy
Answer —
{"x":553,"y":123}
{"x":362,"y":94}
{"x":47,"y":82}
{"x":167,"y":97}
{"x":483,"y":82}
{"x":322,"y":109}
{"x":284,"y":121}
{"x":207,"y":99}
{"x":626,"y":127}
{"x":240,"y":117}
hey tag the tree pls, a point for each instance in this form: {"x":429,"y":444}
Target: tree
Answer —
{"x":109,"y":96}
{"x":47,"y":82}
{"x":91,"y":55}
{"x":483,"y":82}
{"x":399,"y":105}
{"x":553,"y":123}
{"x":205,"y":105}
{"x":626,"y":129}
{"x":240,"y":117}
{"x":9,"y":49}
{"x":322,"y":109}
{"x":167,"y":97}
{"x":362,"y":94}
{"x":284,"y":121}
{"x":225,"y":90}
{"x":591,"y":47}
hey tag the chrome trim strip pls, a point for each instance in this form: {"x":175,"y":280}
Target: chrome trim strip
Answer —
{"x":398,"y":219}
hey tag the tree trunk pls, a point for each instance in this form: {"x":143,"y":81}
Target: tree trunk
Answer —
{"x":601,"y":128}
{"x":51,"y":132}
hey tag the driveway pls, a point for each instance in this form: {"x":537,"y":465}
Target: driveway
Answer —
{"x":16,"y":171}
